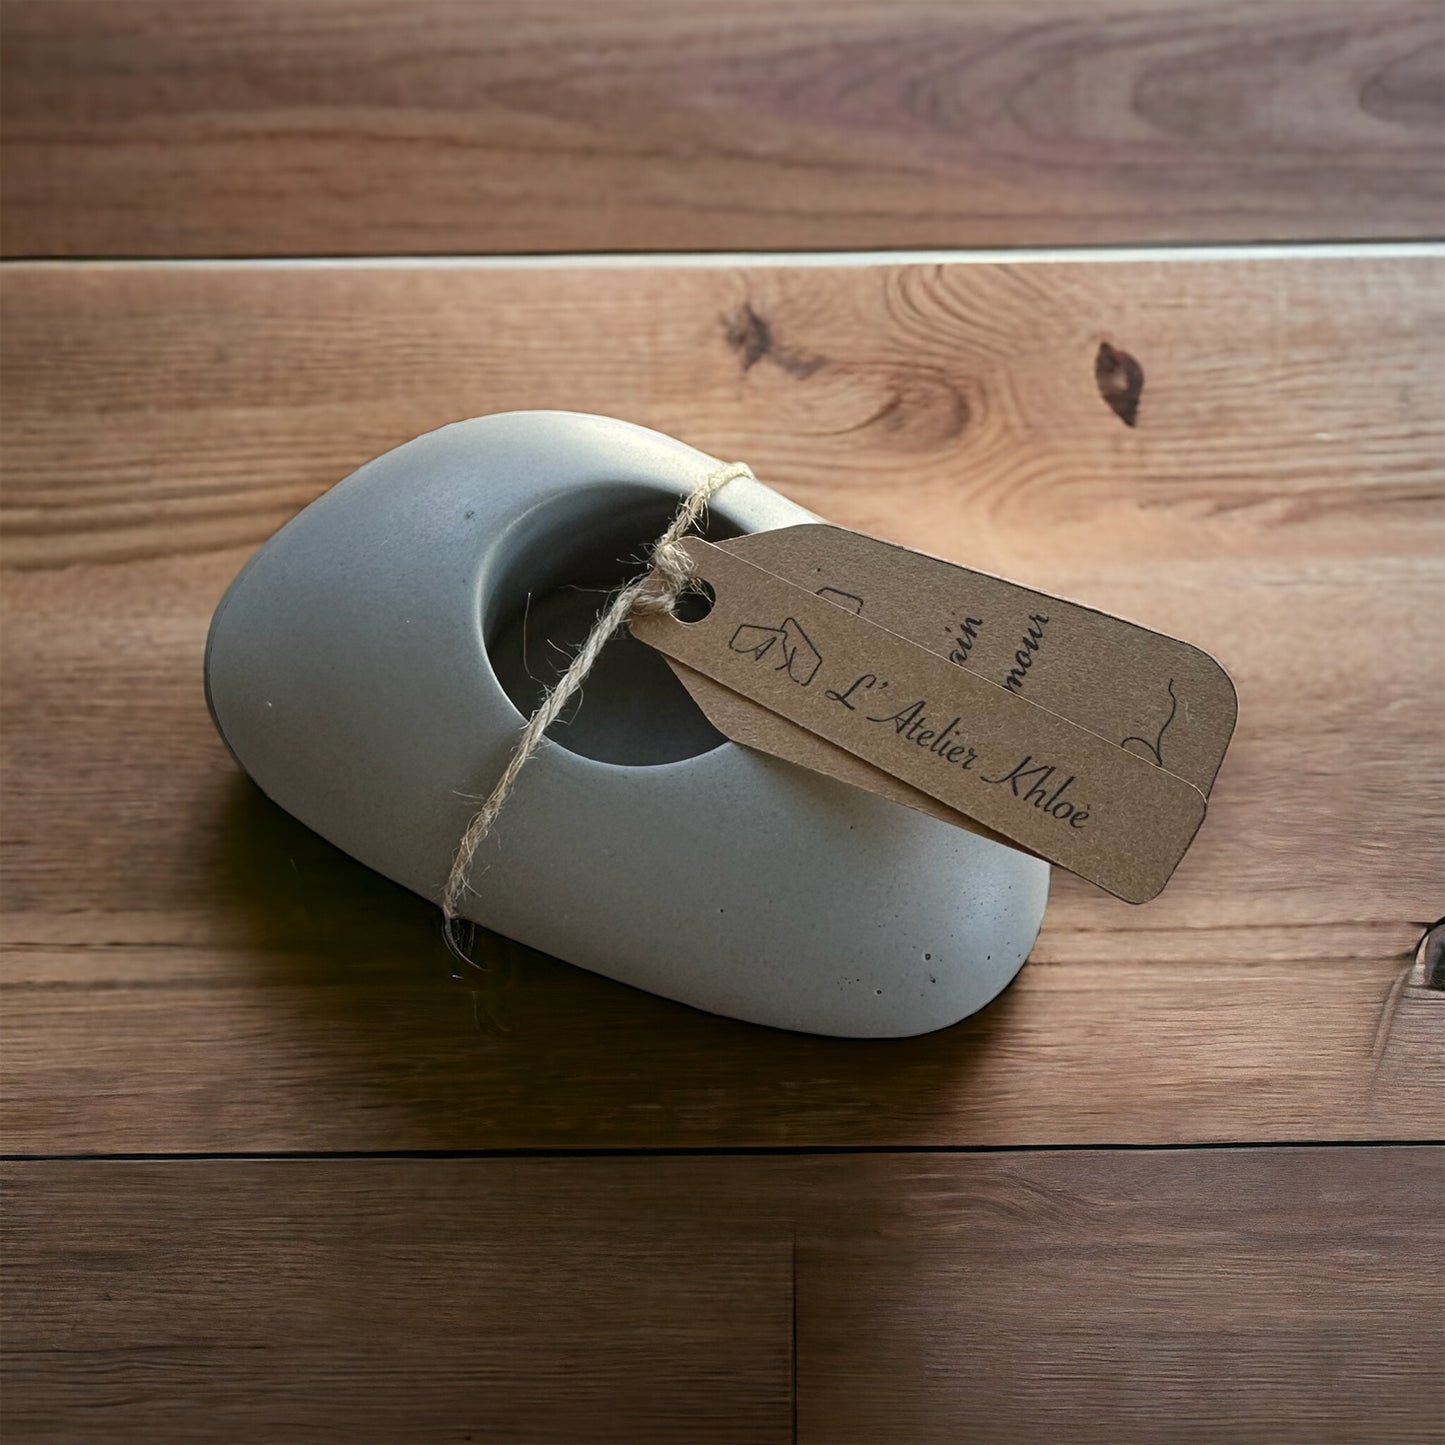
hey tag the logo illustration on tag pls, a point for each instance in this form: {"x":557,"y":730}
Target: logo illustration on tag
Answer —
{"x":800,"y":659}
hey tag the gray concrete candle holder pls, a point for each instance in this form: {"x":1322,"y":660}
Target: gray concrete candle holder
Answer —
{"x":371,"y":667}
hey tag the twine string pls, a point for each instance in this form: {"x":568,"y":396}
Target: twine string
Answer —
{"x":656,"y":590}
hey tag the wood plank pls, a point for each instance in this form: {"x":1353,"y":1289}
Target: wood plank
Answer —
{"x":1267,"y":1296}
{"x":1271,"y":1295}
{"x":190,"y":970}
{"x":273,"y":127}
{"x":387,"y":1301}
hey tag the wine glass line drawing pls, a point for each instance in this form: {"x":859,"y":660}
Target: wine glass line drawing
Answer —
{"x":1156,"y":748}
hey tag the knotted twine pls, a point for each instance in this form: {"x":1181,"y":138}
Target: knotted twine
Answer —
{"x":657,"y":590}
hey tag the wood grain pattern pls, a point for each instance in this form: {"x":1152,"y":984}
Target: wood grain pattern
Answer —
{"x":388,"y":1301}
{"x":266,"y":127}
{"x":1261,"y":1297}
{"x":189,"y":970}
{"x":1281,"y":1295}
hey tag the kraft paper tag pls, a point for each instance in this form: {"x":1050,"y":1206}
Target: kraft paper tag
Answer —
{"x":1102,"y":665}
{"x":1154,"y":695}
{"x":984,"y":750}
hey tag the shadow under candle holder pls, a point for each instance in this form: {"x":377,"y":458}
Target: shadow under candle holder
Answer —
{"x":406,"y":1048}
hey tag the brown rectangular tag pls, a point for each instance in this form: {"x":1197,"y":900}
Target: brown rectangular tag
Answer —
{"x":980,"y":747}
{"x":1156,"y":696}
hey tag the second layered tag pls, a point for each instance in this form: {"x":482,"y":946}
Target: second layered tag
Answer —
{"x":877,"y":670}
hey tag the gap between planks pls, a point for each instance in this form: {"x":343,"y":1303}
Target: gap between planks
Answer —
{"x":702,"y":260}
{"x":701,"y":1151}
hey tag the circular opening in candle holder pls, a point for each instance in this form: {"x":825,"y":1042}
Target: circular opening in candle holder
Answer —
{"x":563,"y":562}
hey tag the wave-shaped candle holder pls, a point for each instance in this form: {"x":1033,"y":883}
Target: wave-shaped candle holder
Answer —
{"x":372,"y":665}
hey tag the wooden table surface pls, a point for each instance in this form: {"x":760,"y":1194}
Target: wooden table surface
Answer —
{"x":276,"y":1173}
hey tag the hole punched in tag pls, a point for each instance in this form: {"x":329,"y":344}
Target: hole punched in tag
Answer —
{"x":695,"y":602}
